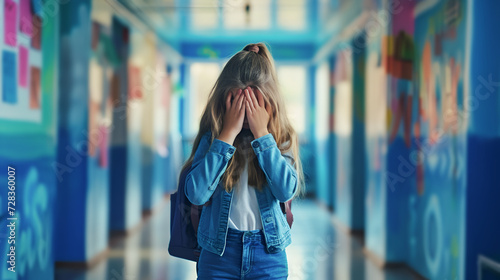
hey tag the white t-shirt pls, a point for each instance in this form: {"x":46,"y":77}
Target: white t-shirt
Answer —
{"x":245,"y":213}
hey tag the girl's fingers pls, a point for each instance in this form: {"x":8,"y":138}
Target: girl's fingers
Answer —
{"x":248,"y":108}
{"x":254,"y":99}
{"x":250,"y":100}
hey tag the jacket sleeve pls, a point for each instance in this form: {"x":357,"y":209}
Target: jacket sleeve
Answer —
{"x":209,"y":163}
{"x":280,"y":174}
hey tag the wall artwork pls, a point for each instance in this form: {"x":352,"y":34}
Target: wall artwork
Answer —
{"x":416,"y":209}
{"x":21,"y":61}
{"x":437,"y":199}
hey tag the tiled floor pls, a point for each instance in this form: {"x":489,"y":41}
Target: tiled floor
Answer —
{"x":319,"y":251}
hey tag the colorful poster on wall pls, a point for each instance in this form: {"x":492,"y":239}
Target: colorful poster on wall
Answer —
{"x":21,"y":61}
{"x":439,"y":135}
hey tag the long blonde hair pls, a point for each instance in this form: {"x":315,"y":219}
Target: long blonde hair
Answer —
{"x":249,"y":68}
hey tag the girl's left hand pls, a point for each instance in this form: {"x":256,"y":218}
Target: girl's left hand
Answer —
{"x":258,"y":112}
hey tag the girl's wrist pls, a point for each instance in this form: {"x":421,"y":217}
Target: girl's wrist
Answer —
{"x":261,"y":133}
{"x":227,"y":137}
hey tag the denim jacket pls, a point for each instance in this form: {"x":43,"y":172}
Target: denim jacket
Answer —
{"x":203,"y":182}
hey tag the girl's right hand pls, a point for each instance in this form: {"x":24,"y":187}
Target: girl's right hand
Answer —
{"x":233,"y":118}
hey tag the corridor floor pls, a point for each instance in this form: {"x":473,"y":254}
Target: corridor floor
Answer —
{"x":319,"y":250}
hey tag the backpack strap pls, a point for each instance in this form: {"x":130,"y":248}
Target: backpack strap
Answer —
{"x":289,"y":214}
{"x":282,"y":206}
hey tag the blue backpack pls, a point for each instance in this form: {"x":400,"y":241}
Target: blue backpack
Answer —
{"x":184,"y":220}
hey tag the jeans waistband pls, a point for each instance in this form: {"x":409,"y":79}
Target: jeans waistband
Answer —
{"x":234,"y":234}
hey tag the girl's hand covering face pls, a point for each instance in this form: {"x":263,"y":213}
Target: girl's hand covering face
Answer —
{"x":233,"y":118}
{"x":258,"y":112}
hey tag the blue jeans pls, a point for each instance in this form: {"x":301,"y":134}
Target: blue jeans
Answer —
{"x":245,"y":257}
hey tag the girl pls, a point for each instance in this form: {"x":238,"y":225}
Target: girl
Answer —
{"x":244,"y":162}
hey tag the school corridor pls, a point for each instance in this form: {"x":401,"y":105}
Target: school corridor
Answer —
{"x":320,"y":250}
{"x":396,"y":104}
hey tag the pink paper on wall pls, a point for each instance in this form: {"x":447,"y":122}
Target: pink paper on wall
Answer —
{"x":94,"y":116}
{"x":103,"y":146}
{"x":10,"y":20}
{"x":26,"y":24}
{"x":23,"y":66}
{"x":134,"y":82}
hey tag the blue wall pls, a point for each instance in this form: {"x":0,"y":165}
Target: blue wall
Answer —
{"x":29,"y":146}
{"x":348,"y":112}
{"x":483,"y":142}
{"x":125,"y":151}
{"x":82,"y":202}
